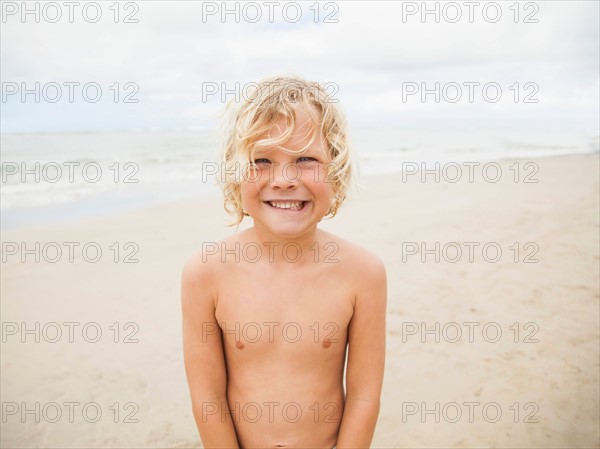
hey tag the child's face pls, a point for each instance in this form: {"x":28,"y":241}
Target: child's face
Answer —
{"x":289,"y":194}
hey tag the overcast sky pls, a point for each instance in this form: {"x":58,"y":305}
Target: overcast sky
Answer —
{"x":373,"y":55}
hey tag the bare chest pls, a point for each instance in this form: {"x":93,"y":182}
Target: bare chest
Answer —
{"x":284,"y":312}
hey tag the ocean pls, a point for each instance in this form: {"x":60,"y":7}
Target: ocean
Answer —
{"x":50,"y":177}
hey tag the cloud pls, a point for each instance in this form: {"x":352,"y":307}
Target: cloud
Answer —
{"x":372,"y":49}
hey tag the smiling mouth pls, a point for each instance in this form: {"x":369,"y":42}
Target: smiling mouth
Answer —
{"x":287,"y":205}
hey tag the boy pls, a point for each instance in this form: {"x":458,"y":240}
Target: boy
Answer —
{"x":268,"y":312}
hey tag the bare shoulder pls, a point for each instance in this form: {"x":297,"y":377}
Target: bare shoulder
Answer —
{"x":207,"y":259}
{"x":359,"y":261}
{"x":198,"y":289}
{"x":202,"y":269}
{"x":199,"y":266}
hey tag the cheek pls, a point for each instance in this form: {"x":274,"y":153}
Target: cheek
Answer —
{"x":315,"y":176}
{"x":326,"y":184}
{"x":249,"y":191}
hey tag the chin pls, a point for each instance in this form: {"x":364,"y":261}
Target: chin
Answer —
{"x":289,"y":232}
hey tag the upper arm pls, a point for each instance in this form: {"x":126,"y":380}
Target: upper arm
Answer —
{"x":367,"y":334}
{"x":202,"y":344}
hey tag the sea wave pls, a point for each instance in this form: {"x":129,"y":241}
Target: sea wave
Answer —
{"x":138,"y":168}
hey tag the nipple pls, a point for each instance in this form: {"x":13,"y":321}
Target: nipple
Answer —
{"x":326,"y":343}
{"x":239,"y":345}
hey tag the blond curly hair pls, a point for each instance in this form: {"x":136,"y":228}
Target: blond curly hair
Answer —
{"x":266,"y":102}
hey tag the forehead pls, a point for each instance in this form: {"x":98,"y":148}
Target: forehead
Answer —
{"x":302,"y":132}
{"x":303,"y":122}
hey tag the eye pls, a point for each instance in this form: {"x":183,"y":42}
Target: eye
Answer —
{"x":307,"y":159}
{"x":262,"y":161}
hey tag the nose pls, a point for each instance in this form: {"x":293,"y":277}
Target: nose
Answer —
{"x":284,"y":175}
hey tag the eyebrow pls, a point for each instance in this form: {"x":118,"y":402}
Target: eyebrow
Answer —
{"x":314,"y":147}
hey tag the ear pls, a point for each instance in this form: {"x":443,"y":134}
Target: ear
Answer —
{"x":331,"y":206}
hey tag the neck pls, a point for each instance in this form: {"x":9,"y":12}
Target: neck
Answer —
{"x":281,"y":250}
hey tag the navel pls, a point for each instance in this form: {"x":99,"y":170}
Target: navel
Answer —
{"x":326,"y":343}
{"x":239,"y":345}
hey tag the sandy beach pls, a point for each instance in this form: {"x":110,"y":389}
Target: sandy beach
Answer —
{"x":494,"y":344}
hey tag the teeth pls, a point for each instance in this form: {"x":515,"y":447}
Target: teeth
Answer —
{"x":286,"y":205}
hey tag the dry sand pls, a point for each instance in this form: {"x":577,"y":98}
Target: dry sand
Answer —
{"x":549,"y":376}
